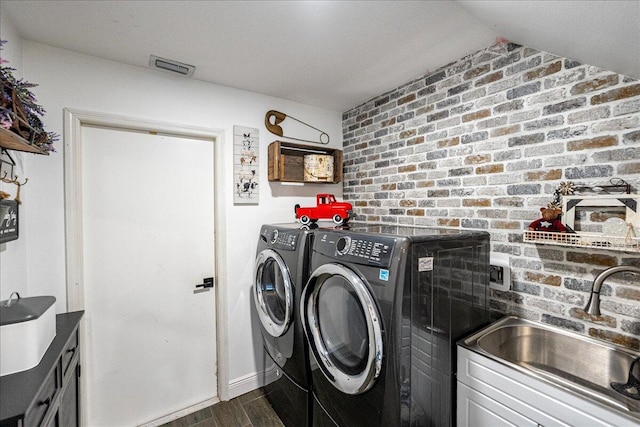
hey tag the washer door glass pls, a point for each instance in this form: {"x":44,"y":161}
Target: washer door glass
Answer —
{"x":273,"y":293}
{"x":343,"y":327}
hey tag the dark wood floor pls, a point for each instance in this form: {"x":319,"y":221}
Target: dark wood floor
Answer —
{"x":249,"y":410}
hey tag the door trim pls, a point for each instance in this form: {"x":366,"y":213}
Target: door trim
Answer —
{"x":73,"y":121}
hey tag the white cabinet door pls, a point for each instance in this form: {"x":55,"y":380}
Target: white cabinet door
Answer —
{"x":477,"y":410}
{"x":530,"y":397}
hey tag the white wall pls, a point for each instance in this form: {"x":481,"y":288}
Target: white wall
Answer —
{"x":70,"y":80}
{"x":13,"y":259}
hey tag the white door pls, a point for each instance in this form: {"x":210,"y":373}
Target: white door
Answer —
{"x":148,"y":240}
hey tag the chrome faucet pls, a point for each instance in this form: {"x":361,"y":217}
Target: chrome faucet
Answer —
{"x":593,"y":306}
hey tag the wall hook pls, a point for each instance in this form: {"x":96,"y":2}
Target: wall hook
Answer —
{"x":14,"y":181}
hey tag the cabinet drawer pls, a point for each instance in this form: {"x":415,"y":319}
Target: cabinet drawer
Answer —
{"x":44,"y":401}
{"x":67,"y":355}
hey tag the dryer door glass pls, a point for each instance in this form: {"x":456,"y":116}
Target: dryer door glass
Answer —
{"x":342,"y":324}
{"x":273,"y":293}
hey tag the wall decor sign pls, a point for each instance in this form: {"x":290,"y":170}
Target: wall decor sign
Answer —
{"x":619,"y":216}
{"x":627,"y":204}
{"x":8,"y":220}
{"x":245,"y":165}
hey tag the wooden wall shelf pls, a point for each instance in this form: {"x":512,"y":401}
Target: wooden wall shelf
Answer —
{"x":286,"y":162}
{"x":12,"y":141}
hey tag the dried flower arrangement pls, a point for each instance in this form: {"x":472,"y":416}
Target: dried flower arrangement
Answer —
{"x":19,"y":111}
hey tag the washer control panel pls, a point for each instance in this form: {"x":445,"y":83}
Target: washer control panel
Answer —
{"x":356,"y":248}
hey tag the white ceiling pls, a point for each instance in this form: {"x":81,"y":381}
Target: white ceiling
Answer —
{"x":331,"y":54}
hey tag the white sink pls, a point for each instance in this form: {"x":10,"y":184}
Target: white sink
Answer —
{"x":27,"y":328}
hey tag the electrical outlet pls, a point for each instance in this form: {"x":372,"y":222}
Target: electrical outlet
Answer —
{"x":499,"y":272}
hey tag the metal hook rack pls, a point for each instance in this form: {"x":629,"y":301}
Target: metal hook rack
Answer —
{"x":8,"y":176}
{"x":11,"y":164}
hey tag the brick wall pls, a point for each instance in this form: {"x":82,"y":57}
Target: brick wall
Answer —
{"x":483,"y":143}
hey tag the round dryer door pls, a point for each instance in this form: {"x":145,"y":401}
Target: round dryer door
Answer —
{"x":273,"y":293}
{"x":343,"y":327}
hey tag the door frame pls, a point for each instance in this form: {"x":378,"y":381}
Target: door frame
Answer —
{"x":72,"y":135}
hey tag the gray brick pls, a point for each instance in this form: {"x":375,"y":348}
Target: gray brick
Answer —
{"x":405,"y":116}
{"x":502,"y":85}
{"x":434,"y":155}
{"x":631,"y":327}
{"x":617,"y":155}
{"x":447,"y":102}
{"x":522,"y":66}
{"x":491,"y":123}
{"x":490,"y":101}
{"x":381,"y":132}
{"x":563,"y":323}
{"x":426,"y":91}
{"x":547,"y":97}
{"x":628,"y":107}
{"x":475,"y":223}
{"x":544,"y":150}
{"x":570,"y":132}
{"x":461,"y":109}
{"x":631,"y":137}
{"x":544,"y":123}
{"x":514,"y":190}
{"x":562,"y":79}
{"x":523,"y":90}
{"x":436,"y":77}
{"x":459,"y":89}
{"x":570,"y":63}
{"x":438,"y":116}
{"x":461,"y":171}
{"x":514,"y":105}
{"x":589,"y":115}
{"x":524,"y":116}
{"x":474,"y":137}
{"x":589,"y":172}
{"x":622,"y":123}
{"x":564,"y":106}
{"x":438,"y":193}
{"x":474,"y":94}
{"x":526,"y":139}
{"x":506,"y":155}
{"x":504,"y":61}
{"x":524,"y":165}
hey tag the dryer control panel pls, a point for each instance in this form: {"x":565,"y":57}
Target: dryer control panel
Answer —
{"x":279,"y":239}
{"x":356,"y":248}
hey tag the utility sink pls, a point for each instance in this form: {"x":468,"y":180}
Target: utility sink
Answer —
{"x":27,"y":328}
{"x":589,"y":367}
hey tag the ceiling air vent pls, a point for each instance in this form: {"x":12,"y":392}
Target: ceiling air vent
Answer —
{"x":171,"y":65}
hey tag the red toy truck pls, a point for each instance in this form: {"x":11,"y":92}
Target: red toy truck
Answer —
{"x":326,"y":208}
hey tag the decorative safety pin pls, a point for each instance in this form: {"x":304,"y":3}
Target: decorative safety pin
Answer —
{"x":279,"y":117}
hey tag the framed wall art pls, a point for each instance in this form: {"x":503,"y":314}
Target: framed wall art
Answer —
{"x":245,"y":165}
{"x":622,"y":207}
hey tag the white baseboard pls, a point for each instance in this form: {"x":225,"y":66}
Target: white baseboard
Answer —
{"x":182,"y":413}
{"x":250,"y":382}
{"x":237,"y":387}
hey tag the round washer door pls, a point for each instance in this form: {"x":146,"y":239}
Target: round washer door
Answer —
{"x":343,"y":326}
{"x":273,"y":292}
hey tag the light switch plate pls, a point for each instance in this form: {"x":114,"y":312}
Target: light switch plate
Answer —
{"x":500,"y":273}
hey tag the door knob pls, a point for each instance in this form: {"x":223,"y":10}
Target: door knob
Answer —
{"x":207,"y":282}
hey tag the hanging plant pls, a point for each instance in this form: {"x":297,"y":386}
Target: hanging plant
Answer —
{"x":19,"y":111}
